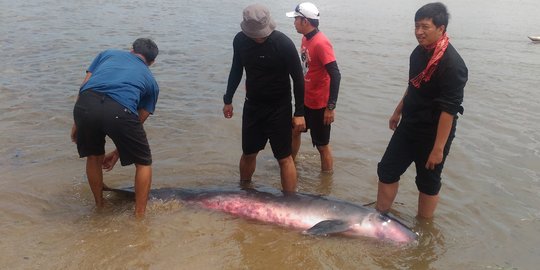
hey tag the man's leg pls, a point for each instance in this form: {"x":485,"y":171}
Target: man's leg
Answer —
{"x":327,"y":161}
{"x":247,"y":167}
{"x":386,"y":194}
{"x":143,"y":181}
{"x":95,"y":177}
{"x":296,"y":142}
{"x":427,"y":205}
{"x":288,"y":174}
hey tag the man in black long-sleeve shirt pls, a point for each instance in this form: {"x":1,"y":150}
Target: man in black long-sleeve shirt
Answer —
{"x":270,"y":60}
{"x":424,"y":121}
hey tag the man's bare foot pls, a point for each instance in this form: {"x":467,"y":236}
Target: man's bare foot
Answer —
{"x":100,"y":203}
{"x":139,"y":215}
{"x":246,"y":184}
{"x":331,"y":171}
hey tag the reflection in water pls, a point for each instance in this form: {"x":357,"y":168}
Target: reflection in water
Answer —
{"x":430,"y":247}
{"x":107,"y":231}
{"x":325,"y":183}
{"x":310,"y":178}
{"x":264,"y":247}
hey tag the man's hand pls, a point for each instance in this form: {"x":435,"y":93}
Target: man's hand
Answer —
{"x":394,"y":121}
{"x":110,"y":160}
{"x":299,"y":123}
{"x":443,"y":131}
{"x":228,"y":110}
{"x":74,"y":133}
{"x":435,"y":158}
{"x":328,"y":116}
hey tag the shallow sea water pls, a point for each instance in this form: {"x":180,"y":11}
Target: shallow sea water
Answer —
{"x":488,"y":217}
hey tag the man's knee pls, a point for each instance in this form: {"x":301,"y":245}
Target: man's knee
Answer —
{"x":428,"y":182}
{"x":286,"y":160}
{"x":429,"y":188}
{"x":249,"y":157}
{"x":323,"y":148}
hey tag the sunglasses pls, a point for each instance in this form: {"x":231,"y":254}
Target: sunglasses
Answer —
{"x":297,"y":10}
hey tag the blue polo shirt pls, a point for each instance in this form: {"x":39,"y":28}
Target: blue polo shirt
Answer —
{"x":124,"y":77}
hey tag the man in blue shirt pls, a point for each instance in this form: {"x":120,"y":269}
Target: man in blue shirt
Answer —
{"x":117,"y":95}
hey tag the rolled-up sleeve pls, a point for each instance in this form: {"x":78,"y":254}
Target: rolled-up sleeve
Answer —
{"x":452,"y":85}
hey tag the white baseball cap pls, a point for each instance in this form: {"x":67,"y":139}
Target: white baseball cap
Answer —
{"x":306,"y":10}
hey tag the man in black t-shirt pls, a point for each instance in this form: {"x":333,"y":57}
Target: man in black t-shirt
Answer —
{"x":270,"y":60}
{"x":428,"y":112}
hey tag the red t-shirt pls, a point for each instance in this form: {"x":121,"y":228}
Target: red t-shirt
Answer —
{"x":316,"y":53}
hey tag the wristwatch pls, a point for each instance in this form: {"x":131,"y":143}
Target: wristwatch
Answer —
{"x":331,"y":106}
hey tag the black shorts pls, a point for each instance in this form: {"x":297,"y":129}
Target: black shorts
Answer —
{"x":320,"y":133}
{"x":263,"y":122}
{"x":405,"y":148}
{"x":96,"y":116}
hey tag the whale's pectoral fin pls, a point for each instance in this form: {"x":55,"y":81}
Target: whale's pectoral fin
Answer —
{"x":326,"y":227}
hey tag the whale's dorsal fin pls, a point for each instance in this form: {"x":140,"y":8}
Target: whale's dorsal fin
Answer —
{"x":330,"y":226}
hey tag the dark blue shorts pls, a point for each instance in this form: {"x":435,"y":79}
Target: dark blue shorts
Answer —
{"x":96,"y":116}
{"x":405,"y":148}
{"x":263,"y":122}
{"x":320,"y":133}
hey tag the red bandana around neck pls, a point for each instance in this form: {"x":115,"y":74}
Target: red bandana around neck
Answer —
{"x":440,"y":47}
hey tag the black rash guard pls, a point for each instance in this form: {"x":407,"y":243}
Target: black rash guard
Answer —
{"x":268,"y":66}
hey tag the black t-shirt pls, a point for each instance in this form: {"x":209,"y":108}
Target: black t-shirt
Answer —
{"x":443,"y":92}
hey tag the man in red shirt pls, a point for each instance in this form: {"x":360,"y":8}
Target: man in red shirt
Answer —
{"x":321,"y":78}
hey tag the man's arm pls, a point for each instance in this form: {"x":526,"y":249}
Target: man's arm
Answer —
{"x":111,"y":158}
{"x":335,"y":79}
{"x":295,"y":71}
{"x":449,"y":102}
{"x":143,"y":115}
{"x":291,"y":58}
{"x":87,"y":77}
{"x":235,"y":74}
{"x":299,"y":123}
{"x":396,"y":116}
{"x":297,"y":75}
{"x":443,"y":131}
